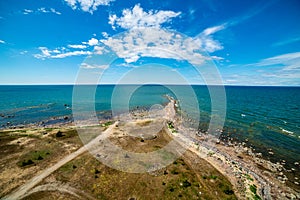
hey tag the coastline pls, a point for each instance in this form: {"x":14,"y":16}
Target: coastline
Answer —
{"x":244,"y":169}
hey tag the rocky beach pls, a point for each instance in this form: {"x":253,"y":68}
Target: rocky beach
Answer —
{"x":251,"y":176}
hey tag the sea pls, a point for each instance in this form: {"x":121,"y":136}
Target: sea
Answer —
{"x":265,"y":118}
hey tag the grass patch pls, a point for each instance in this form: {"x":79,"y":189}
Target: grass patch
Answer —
{"x":213,"y":177}
{"x":106,"y":124}
{"x":33,"y":157}
{"x":248,"y":177}
{"x":253,"y":189}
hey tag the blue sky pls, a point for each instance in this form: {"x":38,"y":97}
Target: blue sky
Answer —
{"x":247,"y":42}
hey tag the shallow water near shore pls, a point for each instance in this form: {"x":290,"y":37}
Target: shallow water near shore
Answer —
{"x":265,"y":118}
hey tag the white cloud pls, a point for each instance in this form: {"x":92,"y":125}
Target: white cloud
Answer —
{"x":214,"y":29}
{"x":23,"y":52}
{"x":155,"y":42}
{"x":72,"y":53}
{"x":2,"y":41}
{"x":27,"y":11}
{"x":77,"y":46}
{"x":54,"y":11}
{"x":146,"y":37}
{"x":288,"y":41}
{"x":277,"y":70}
{"x":41,"y":10}
{"x":105,"y":35}
{"x":98,"y":50}
{"x":290,"y":61}
{"x":137,"y":18}
{"x":87,"y":5}
{"x":93,"y":42}
{"x":89,"y":66}
{"x":56,"y":53}
{"x":208,"y":42}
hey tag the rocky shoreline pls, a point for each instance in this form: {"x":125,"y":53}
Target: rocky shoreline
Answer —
{"x":252,"y":176}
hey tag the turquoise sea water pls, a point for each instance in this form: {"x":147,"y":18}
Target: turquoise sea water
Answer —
{"x":268,"y":117}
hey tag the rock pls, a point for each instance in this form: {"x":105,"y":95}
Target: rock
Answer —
{"x":296,"y":183}
{"x":259,"y":154}
{"x":291,"y":196}
{"x":296,"y":163}
{"x":271,"y":152}
{"x":66,"y":117}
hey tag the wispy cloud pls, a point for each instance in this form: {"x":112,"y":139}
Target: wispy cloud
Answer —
{"x":41,"y":10}
{"x":27,"y":11}
{"x":86,"y":48}
{"x":288,"y":41}
{"x":73,"y":53}
{"x":23,"y":52}
{"x":214,"y":29}
{"x":210,"y":44}
{"x":87,"y":5}
{"x":282,"y":69}
{"x":77,"y":46}
{"x":93,"y":66}
{"x":2,"y":42}
{"x":290,"y":61}
{"x":137,"y":18}
{"x":56,"y":53}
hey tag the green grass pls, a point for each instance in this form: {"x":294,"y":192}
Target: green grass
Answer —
{"x":107,"y":124}
{"x":253,"y":189}
{"x":33,"y":157}
{"x":213,"y":177}
{"x":248,"y":177}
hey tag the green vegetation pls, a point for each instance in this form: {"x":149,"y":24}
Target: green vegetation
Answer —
{"x":171,"y":127}
{"x":65,"y":134}
{"x":253,"y":189}
{"x":33,"y":157}
{"x":106,"y":124}
{"x":248,"y":177}
{"x":213,"y":177}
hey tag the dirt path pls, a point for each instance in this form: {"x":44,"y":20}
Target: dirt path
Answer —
{"x":64,"y":188}
{"x":21,"y":191}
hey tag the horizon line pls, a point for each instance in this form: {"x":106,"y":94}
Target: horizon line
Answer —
{"x":107,"y":84}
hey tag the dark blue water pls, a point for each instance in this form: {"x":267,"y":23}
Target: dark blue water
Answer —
{"x":268,"y":117}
